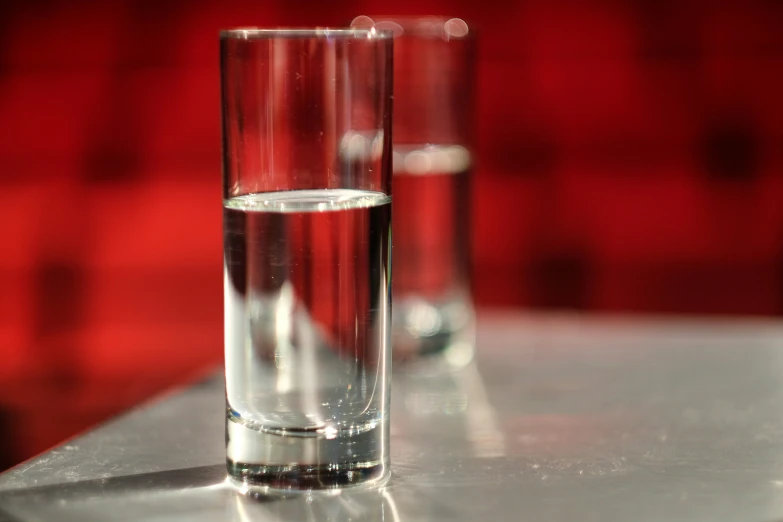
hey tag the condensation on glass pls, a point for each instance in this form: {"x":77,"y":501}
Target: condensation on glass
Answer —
{"x":434,"y":75}
{"x":307,"y":164}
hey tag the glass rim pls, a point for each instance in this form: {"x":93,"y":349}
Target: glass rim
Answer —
{"x":358,"y":33}
{"x":421,"y":26}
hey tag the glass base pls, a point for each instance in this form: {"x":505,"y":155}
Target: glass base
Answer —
{"x":303,"y":477}
{"x":428,"y":334}
{"x":280,"y":460}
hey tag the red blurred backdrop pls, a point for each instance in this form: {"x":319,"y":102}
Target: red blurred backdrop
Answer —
{"x":630,"y":158}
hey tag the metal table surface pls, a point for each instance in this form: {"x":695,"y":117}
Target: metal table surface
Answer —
{"x":561,"y":418}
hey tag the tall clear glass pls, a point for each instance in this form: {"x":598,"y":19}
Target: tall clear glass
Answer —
{"x":434,"y":79}
{"x":307,"y":164}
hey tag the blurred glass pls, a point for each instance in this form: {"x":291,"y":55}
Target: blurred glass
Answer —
{"x":434,"y":75}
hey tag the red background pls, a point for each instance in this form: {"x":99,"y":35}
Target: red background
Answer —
{"x":630,"y":160}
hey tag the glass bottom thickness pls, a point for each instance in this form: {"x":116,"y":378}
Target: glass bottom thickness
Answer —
{"x":427,"y":333}
{"x":306,"y":477}
{"x":279,"y":461}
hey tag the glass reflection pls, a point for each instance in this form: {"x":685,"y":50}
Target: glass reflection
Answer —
{"x":316,"y":506}
{"x":450,"y":405}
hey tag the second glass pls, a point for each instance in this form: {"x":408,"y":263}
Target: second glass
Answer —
{"x":434,"y":74}
{"x":307,"y":210}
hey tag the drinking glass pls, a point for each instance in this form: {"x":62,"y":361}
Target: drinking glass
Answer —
{"x":434,"y":76}
{"x":307,"y":165}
